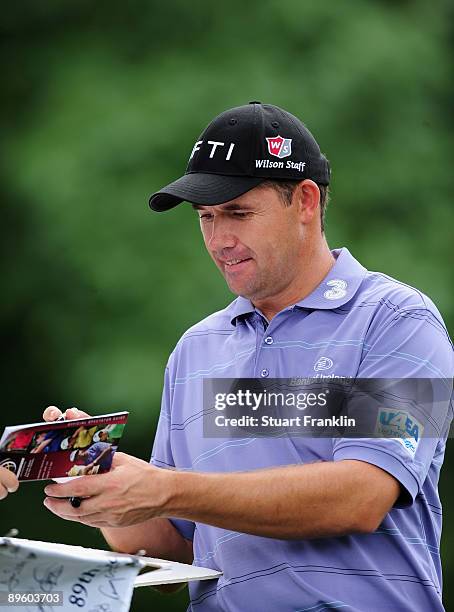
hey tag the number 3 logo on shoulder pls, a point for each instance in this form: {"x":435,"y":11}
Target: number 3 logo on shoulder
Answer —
{"x":338,"y":291}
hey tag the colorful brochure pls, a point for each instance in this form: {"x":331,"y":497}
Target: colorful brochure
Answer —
{"x":41,"y":451}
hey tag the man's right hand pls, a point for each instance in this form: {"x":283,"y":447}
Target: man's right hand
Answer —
{"x":52,"y":413}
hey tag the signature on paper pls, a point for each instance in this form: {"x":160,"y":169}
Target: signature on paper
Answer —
{"x":11,"y":575}
{"x":47,"y":577}
{"x":109,"y":589}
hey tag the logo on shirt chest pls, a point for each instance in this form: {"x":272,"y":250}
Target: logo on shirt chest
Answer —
{"x":324,"y":363}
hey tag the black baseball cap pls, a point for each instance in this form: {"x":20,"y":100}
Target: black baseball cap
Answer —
{"x":241,"y":148}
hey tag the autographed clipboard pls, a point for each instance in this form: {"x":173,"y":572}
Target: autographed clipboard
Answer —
{"x":49,"y":576}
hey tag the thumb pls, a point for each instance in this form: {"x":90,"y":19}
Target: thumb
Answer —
{"x":120,"y":459}
{"x":75,"y":413}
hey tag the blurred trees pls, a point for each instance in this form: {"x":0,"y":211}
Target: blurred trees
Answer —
{"x":101,"y":106}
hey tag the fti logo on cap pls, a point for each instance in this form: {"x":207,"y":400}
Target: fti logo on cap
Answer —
{"x":279,"y":147}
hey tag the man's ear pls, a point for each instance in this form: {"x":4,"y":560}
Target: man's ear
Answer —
{"x":307,"y":198}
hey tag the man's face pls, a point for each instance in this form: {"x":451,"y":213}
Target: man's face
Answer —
{"x":255,"y":241}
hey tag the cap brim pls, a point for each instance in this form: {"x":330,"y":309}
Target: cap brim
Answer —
{"x":202,"y":188}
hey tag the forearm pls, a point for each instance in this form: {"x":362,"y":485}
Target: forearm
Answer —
{"x":157,"y":536}
{"x":301,"y":501}
{"x":310,"y":501}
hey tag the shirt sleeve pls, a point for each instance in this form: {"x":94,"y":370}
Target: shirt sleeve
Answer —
{"x":413,"y":344}
{"x":161,"y":455}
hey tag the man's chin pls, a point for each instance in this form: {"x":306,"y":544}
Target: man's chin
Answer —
{"x":243,"y":285}
{"x":242,"y":290}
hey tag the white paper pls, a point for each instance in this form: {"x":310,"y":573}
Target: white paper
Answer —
{"x":175,"y":572}
{"x":95,"y":580}
{"x":89,"y":581}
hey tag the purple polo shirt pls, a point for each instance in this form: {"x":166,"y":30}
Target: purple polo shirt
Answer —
{"x":356,"y":323}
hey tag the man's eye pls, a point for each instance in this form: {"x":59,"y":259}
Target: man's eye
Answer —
{"x":206,"y":217}
{"x":241,"y":215}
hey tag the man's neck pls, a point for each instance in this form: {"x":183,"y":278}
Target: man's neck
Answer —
{"x":315,"y":265}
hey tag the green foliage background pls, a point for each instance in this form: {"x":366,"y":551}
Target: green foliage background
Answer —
{"x":101,"y":103}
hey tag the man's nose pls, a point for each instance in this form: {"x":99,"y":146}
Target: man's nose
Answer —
{"x":219,"y":235}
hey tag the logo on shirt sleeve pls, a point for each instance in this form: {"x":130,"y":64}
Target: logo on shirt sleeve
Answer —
{"x":401,"y":426}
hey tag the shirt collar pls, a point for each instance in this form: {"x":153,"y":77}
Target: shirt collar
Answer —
{"x":336,"y":289}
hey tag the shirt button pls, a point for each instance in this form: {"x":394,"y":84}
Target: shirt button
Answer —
{"x":264,"y":373}
{"x":269,"y":340}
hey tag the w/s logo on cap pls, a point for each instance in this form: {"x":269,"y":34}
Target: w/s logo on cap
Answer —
{"x":279,"y":147}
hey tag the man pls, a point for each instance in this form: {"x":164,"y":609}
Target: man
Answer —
{"x":293,"y":523}
{"x":8,"y":482}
